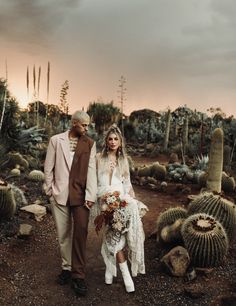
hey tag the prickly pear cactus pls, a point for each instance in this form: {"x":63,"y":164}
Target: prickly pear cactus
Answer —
{"x":169,"y":217}
{"x":7,"y":201}
{"x":205,"y":239}
{"x":221,"y":209}
{"x":36,"y":175}
{"x":215,"y":161}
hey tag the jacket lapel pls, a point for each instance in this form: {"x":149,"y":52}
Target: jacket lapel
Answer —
{"x":65,"y":144}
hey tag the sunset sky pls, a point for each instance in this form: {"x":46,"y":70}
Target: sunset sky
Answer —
{"x":171,"y":52}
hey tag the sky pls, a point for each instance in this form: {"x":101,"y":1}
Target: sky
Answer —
{"x":171,"y":52}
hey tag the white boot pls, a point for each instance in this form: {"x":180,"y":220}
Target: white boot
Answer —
{"x":129,"y":284}
{"x":108,"y":277}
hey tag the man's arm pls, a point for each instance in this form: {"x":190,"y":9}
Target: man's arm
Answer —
{"x":91,"y":184}
{"x":49,"y":167}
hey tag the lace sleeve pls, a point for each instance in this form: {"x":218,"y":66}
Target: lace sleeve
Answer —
{"x":128,"y":188}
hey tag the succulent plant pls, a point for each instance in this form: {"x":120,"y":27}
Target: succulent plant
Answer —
{"x":215,"y":161}
{"x":169,"y":217}
{"x":227,"y":183}
{"x":173,"y":158}
{"x":172,"y":233}
{"x":15,"y":172}
{"x":144,"y":171}
{"x":158,"y":171}
{"x":205,"y":239}
{"x":18,"y":196}
{"x":221,"y":209}
{"x":17,"y":159}
{"x":7,"y":201}
{"x":36,"y":175}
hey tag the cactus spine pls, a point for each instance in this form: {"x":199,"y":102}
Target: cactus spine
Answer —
{"x":215,"y":161}
{"x":205,"y":239}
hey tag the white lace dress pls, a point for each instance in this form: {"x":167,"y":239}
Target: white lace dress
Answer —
{"x":133,"y":237}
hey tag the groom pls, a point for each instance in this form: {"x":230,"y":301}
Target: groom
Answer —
{"x":71,"y":183}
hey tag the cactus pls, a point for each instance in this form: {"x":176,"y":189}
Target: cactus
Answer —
{"x":144,"y":171}
{"x":169,"y":217}
{"x":7,"y":201}
{"x":215,"y":161}
{"x":36,"y":175}
{"x":228,"y":183}
{"x":202,"y":179}
{"x":158,"y":171}
{"x":18,"y":196}
{"x":15,"y":172}
{"x":173,"y":158}
{"x":172,"y":233}
{"x":226,"y":158}
{"x":205,"y":239}
{"x":221,"y":209}
{"x":167,"y":131}
{"x":185,"y":133}
{"x":18,"y":159}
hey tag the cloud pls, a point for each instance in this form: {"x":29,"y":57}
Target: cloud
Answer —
{"x":33,"y":23}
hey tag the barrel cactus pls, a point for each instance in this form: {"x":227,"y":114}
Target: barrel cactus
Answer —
{"x":228,"y":182}
{"x":205,"y":239}
{"x":221,"y":209}
{"x":158,"y":171}
{"x":172,"y":233}
{"x":169,"y":217}
{"x":15,"y":172}
{"x":17,"y":159}
{"x":36,"y":175}
{"x":144,"y":171}
{"x":7,"y":201}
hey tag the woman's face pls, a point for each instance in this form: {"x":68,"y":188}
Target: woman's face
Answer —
{"x":113,"y":142}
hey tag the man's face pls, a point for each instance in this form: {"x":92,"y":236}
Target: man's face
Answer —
{"x":81,"y":127}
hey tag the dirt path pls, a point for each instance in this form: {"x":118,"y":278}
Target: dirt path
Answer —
{"x":28,"y":268}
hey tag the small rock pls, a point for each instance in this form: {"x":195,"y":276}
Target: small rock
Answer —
{"x":24,"y":230}
{"x":194,"y":292}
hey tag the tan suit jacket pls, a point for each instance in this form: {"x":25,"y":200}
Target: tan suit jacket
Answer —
{"x":58,"y":164}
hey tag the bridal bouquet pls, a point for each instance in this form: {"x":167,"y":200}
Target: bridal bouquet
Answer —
{"x":114,"y":213}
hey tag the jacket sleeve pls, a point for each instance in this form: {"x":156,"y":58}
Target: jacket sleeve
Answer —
{"x":91,"y":184}
{"x":49,"y":167}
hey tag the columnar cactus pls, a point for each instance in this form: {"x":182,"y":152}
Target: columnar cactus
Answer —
{"x":205,"y":239}
{"x":7,"y":201}
{"x":169,"y":217}
{"x":221,"y":209}
{"x":167,"y":131}
{"x":36,"y":175}
{"x":215,"y":161}
{"x":227,"y":156}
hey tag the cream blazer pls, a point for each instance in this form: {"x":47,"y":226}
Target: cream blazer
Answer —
{"x":57,"y":169}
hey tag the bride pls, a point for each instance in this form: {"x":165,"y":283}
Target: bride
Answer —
{"x":113,"y":176}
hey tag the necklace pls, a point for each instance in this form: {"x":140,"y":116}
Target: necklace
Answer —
{"x":112,"y":163}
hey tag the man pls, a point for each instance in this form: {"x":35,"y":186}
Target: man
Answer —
{"x":71,"y":183}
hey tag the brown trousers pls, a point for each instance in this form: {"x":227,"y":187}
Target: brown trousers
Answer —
{"x":80,"y":216}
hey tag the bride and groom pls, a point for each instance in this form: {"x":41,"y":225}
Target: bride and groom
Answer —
{"x":71,"y":161}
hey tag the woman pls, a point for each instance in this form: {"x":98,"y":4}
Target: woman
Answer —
{"x":113,"y":175}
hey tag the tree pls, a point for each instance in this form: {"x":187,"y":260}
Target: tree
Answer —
{"x":103,"y":115}
{"x":63,"y":104}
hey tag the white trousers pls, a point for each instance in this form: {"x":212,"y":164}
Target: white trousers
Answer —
{"x":63,"y":221}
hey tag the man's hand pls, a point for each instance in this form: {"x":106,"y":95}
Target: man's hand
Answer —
{"x":88,"y":204}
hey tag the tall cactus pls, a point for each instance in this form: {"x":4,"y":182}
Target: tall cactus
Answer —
{"x":7,"y":201}
{"x":167,"y":131}
{"x":215,"y":166}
